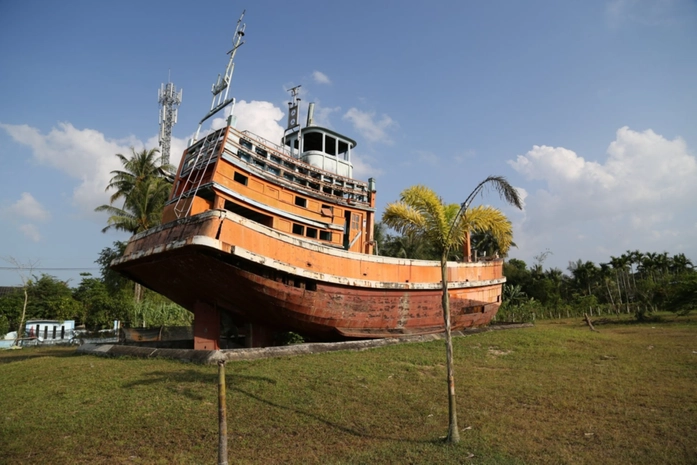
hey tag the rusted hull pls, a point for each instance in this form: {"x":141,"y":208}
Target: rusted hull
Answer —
{"x":329,"y":312}
{"x":183,"y":262}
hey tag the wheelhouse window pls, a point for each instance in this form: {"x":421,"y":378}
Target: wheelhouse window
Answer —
{"x":300,"y":202}
{"x":329,"y":145}
{"x":311,"y":233}
{"x":325,"y":235}
{"x":312,"y":141}
{"x":298,"y":229}
{"x":343,"y":150}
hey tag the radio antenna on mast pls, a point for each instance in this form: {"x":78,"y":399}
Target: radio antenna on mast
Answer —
{"x":221,"y":87}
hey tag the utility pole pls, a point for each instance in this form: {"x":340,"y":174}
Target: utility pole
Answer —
{"x":222,"y":415}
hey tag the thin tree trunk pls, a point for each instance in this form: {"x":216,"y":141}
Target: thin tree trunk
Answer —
{"x":453,"y":432}
{"x":626,"y":288}
{"x":138,"y":293}
{"x":24,"y":313}
{"x":612,"y":301}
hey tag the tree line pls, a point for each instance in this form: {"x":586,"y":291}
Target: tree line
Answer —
{"x":635,"y":283}
{"x":94,"y":303}
{"x":139,"y":192}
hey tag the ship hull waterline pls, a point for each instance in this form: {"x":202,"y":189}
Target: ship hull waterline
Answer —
{"x":217,"y":262}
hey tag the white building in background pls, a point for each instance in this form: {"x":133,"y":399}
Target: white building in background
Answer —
{"x":50,"y":330}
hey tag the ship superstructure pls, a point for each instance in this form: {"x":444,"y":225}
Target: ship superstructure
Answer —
{"x":259,"y":238}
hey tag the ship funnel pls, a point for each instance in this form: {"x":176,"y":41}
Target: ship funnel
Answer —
{"x":310,"y":114}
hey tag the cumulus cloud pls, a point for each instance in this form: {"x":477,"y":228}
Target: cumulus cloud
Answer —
{"x":28,"y":207}
{"x":322,"y":115}
{"x":321,"y":78}
{"x":176,"y":148}
{"x":261,"y":118}
{"x":30,"y":231}
{"x":84,"y":154}
{"x":637,"y":197}
{"x":363,"y":167}
{"x":372,"y":129}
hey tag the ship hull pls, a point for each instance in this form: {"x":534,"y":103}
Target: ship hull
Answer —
{"x":218,"y":264}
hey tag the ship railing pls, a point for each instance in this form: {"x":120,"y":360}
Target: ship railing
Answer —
{"x":287,"y":151}
{"x":287,"y":168}
{"x":352,"y":193}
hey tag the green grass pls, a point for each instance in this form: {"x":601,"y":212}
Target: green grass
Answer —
{"x":555,"y":393}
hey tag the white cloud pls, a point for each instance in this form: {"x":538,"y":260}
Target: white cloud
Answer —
{"x":464,"y":156}
{"x":638,"y":197}
{"x":176,"y":148}
{"x":648,"y":12}
{"x":28,"y":207}
{"x":87,"y":155}
{"x":363,"y":168}
{"x":321,"y":78}
{"x":370,"y":128}
{"x":426,"y":157}
{"x":30,"y":231}
{"x":84,"y":154}
{"x":322,"y":115}
{"x":259,"y":117}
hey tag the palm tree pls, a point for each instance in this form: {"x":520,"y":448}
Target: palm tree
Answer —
{"x":144,"y":191}
{"x":421,"y":212}
{"x":138,"y":168}
{"x":141,"y":210}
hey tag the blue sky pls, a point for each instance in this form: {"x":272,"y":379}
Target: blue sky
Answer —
{"x":587,"y":107}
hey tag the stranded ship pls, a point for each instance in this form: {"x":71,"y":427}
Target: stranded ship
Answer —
{"x":260,"y":237}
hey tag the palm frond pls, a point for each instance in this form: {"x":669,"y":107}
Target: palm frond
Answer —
{"x":491,"y":220}
{"x":403,"y":218}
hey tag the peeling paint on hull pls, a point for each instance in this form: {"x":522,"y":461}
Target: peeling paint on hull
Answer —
{"x":187,"y":262}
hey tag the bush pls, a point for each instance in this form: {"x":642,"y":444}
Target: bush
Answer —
{"x":289,"y":338}
{"x":524,"y":312}
{"x":4,"y":325}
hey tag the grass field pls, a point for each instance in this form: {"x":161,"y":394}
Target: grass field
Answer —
{"x":555,"y":393}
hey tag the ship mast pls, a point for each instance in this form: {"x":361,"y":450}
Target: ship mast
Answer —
{"x":169,"y":99}
{"x":293,"y":113}
{"x":221,"y":87}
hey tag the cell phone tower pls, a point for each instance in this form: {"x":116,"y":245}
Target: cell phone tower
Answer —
{"x":169,"y":100}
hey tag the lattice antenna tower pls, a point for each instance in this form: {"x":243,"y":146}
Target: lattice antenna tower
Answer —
{"x":169,"y":100}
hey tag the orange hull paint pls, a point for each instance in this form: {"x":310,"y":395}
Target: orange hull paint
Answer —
{"x":275,"y":280}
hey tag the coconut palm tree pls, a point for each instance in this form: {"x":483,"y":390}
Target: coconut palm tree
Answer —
{"x":144,"y":191}
{"x":142,"y":208}
{"x":421,"y":212}
{"x":138,"y":168}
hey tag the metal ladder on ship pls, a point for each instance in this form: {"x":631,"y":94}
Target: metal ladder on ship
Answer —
{"x":182,"y":208}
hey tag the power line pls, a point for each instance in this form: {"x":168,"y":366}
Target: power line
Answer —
{"x":43,"y":269}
